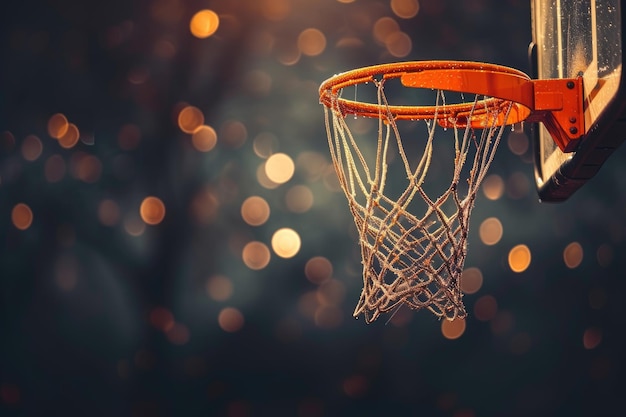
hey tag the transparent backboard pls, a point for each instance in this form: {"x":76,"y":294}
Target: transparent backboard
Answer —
{"x":574,"y":38}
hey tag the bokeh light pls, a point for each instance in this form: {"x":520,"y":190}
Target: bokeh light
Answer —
{"x":70,"y":138}
{"x":255,"y":210}
{"x":406,"y":9}
{"x":485,"y":308}
{"x":493,"y":187}
{"x":204,"y":138}
{"x":471,"y":280}
{"x":519,"y":258}
{"x":219,"y":288}
{"x":152,"y":210}
{"x":256,"y":255}
{"x":299,"y":199}
{"x":311,"y":42}
{"x":279,"y":168}
{"x":318,"y":269}
{"x":453,"y":329}
{"x":573,"y":255}
{"x":230,"y":319}
{"x":286,"y":243}
{"x":592,"y":337}
{"x":490,"y":231}
{"x":204,"y":23}
{"x":109,"y":212}
{"x":190,"y":118}
{"x":21,"y":216}
{"x":31,"y":148}
{"x":57,"y":125}
{"x":54,"y":168}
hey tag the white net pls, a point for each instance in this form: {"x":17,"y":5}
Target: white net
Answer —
{"x":413,"y":245}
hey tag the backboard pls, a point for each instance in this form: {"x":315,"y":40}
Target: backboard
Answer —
{"x":574,"y":38}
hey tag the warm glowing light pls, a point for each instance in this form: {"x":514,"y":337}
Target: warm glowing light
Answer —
{"x":573,"y":255}
{"x":70,"y":137}
{"x":519,"y":258}
{"x":286,"y":243}
{"x":21,"y":216}
{"x":54,"y":168}
{"x":152,"y":210}
{"x":57,"y":125}
{"x":256,"y":255}
{"x":279,"y":168}
{"x":490,"y":231}
{"x":471,"y":280}
{"x":230,"y":319}
{"x":384,"y":27}
{"x":108,"y":212}
{"x":204,"y":23}
{"x":219,"y":288}
{"x":592,"y":338}
{"x":406,"y":9}
{"x":190,"y":118}
{"x":204,"y":138}
{"x":255,"y":211}
{"x":399,"y":44}
{"x":485,"y":308}
{"x":493,"y":187}
{"x":265,"y":144}
{"x":311,"y":42}
{"x":31,"y":148}
{"x":318,"y":269}
{"x":453,"y":329}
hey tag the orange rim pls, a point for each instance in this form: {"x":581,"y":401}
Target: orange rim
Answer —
{"x":504,"y":85}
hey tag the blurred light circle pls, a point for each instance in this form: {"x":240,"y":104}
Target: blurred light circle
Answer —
{"x":279,"y":168}
{"x":519,"y":258}
{"x":453,"y":329}
{"x":204,"y":138}
{"x":152,"y":210}
{"x":57,"y":125}
{"x":490,"y":231}
{"x":286,"y":242}
{"x":405,"y":9}
{"x":21,"y":216}
{"x":255,"y":211}
{"x":204,"y":23}
{"x":190,"y":118}
{"x":573,"y":255}
{"x":256,"y":255}
{"x":230,"y":319}
{"x":311,"y":42}
{"x":471,"y":280}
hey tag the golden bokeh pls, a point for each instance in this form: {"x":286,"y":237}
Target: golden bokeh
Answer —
{"x":87,"y":168}
{"x":190,"y":118}
{"x":57,"y":125}
{"x":399,"y":44}
{"x":471,"y":280}
{"x":70,"y":137}
{"x":318,"y":269}
{"x":265,"y":144}
{"x":230,"y":319}
{"x":263,"y":179}
{"x":299,"y":199}
{"x":21,"y":216}
{"x":255,"y":211}
{"x":204,"y":138}
{"x":204,"y":23}
{"x":573,"y":255}
{"x":490,"y":231}
{"x":493,"y":187}
{"x":383,"y":28}
{"x":406,"y":9}
{"x":31,"y":148}
{"x":286,"y":242}
{"x":256,"y":255}
{"x":279,"y":168}
{"x":233,"y":134}
{"x":219,"y":288}
{"x":519,"y":258}
{"x":152,"y":210}
{"x":311,"y":42}
{"x":453,"y":329}
{"x":275,"y":10}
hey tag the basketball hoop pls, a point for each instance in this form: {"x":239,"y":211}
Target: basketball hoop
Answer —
{"x":413,"y":245}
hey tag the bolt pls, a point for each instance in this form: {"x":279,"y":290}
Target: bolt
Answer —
{"x":572,"y":119}
{"x":573,"y":130}
{"x":570,"y":84}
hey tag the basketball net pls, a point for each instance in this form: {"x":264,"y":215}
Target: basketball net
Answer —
{"x":409,"y":257}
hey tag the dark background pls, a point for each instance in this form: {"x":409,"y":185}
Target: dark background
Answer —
{"x":90,"y":348}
